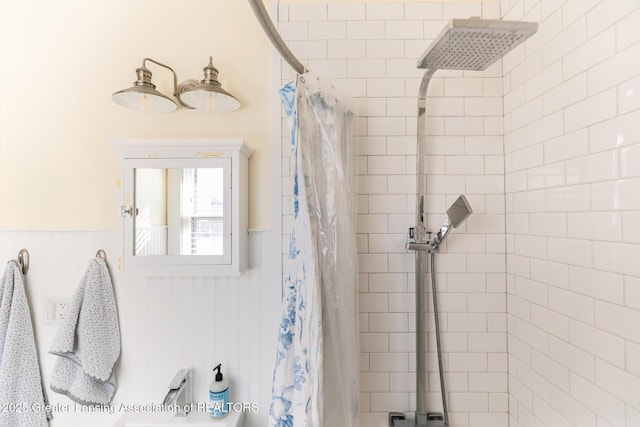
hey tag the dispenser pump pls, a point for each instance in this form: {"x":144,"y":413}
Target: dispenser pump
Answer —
{"x":218,"y":394}
{"x":219,"y":376}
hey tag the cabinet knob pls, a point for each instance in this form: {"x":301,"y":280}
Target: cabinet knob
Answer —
{"x":126,"y":211}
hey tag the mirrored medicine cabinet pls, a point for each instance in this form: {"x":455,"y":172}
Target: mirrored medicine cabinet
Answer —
{"x":183,"y":206}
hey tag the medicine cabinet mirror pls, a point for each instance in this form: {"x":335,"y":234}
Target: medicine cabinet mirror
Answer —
{"x":184,"y":206}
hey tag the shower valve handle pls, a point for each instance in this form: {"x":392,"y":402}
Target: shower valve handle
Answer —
{"x":419,"y":235}
{"x":412,"y":234}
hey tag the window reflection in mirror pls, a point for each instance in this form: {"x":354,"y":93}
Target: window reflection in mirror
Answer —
{"x":179,"y":211}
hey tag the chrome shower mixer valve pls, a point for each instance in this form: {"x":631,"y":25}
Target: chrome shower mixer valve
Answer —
{"x":418,"y":240}
{"x":456,"y":215}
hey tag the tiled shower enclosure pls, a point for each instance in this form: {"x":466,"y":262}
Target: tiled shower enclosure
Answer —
{"x":540,"y":289}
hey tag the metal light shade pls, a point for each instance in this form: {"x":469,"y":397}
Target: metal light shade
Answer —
{"x":209,"y":94}
{"x":143,"y":95}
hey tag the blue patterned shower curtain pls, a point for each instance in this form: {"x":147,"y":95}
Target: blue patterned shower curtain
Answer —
{"x":315,"y":380}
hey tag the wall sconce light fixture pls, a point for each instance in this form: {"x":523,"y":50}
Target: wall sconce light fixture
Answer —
{"x":207,"y":94}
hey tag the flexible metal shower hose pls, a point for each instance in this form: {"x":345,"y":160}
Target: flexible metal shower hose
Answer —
{"x":438,"y":348}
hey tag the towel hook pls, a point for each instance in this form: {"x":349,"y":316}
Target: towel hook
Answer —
{"x":23,"y":260}
{"x":101,"y":254}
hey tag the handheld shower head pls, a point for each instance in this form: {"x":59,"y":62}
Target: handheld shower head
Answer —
{"x":457,"y":213}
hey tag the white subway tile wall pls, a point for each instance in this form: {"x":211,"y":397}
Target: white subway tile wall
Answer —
{"x":538,"y":326}
{"x":370,"y":51}
{"x":573,"y":216}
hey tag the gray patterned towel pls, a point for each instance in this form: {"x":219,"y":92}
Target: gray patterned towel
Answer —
{"x":88,"y":342}
{"x":21,"y":384}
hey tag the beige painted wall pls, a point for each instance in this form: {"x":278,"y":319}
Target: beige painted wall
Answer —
{"x":61,"y":61}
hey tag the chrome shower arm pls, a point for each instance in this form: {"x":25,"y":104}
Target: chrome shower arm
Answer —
{"x":421,"y":152}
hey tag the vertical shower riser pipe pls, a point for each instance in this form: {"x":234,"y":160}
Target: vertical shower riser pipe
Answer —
{"x":421,"y":256}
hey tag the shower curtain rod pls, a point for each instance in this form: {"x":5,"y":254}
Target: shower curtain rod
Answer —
{"x":267,"y":25}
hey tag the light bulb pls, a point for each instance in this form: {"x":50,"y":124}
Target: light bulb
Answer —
{"x":210,"y":101}
{"x":145,"y":103}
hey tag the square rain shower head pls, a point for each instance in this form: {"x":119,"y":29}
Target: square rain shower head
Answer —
{"x":474,"y":44}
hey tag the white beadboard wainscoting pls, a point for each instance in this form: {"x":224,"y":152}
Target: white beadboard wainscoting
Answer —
{"x":166,"y":323}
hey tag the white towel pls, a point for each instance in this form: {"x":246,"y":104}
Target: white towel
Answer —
{"x":20,"y":381}
{"x":88,"y":342}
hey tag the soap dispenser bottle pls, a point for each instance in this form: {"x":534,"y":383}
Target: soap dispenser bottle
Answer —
{"x":218,"y":395}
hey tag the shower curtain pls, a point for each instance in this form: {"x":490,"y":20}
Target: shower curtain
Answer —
{"x":315,"y":379}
